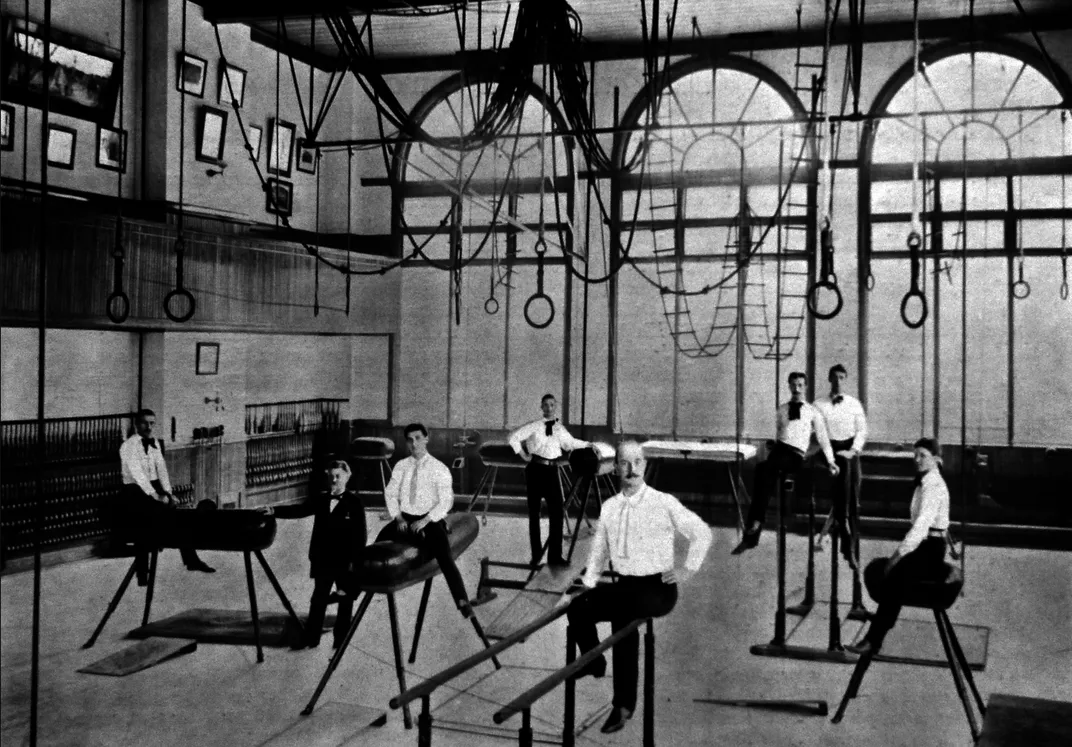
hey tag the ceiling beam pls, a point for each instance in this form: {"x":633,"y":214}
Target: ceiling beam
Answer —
{"x":872,"y":33}
{"x":258,"y":11}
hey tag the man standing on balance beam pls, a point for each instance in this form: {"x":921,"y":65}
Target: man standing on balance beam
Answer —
{"x":636,"y":533}
{"x":846,"y":424}
{"x":796,"y":421}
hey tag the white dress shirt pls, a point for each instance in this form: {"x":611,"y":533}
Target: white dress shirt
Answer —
{"x":844,"y":420}
{"x":540,"y":444}
{"x":141,"y":467}
{"x":797,"y":433}
{"x":434,"y":493}
{"x":637,"y":534}
{"x":930,"y":510}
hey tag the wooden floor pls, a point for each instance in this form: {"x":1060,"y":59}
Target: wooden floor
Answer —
{"x":220,"y":695}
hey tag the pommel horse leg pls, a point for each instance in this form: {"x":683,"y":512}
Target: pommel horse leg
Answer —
{"x":339,"y":652}
{"x":153,"y":556}
{"x":253,"y":606}
{"x":112,"y":605}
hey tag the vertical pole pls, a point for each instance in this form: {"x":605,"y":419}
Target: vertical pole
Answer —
{"x":424,"y":723}
{"x":834,"y":639}
{"x":570,"y":694}
{"x":779,"y":614}
{"x":42,"y":297}
{"x":649,"y":684}
{"x":524,"y":734}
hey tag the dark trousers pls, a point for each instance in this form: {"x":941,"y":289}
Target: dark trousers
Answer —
{"x":845,"y":493}
{"x":782,"y":459}
{"x":631,"y":598}
{"x":924,"y":563}
{"x":435,"y":542}
{"x":318,"y":606}
{"x":137,"y":516}
{"x":541,"y":482}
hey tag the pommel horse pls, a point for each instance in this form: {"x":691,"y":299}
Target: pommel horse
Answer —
{"x":732,"y":454}
{"x":245,"y":531}
{"x":388,"y":568}
{"x":498,"y":455}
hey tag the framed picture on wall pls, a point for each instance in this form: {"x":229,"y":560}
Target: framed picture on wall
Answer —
{"x":7,"y":127}
{"x":280,"y":146}
{"x":211,"y":133}
{"x":191,"y":77}
{"x":111,"y":149}
{"x":280,"y":197}
{"x":253,"y":134}
{"x":61,"y":142}
{"x":208,"y":358}
{"x":306,"y":158}
{"x":232,"y":85}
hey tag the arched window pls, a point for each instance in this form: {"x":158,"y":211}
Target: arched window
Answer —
{"x":992,"y":145}
{"x":472,"y":216}
{"x":714,"y":152}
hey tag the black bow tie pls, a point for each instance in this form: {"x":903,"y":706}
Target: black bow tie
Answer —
{"x":838,"y":399}
{"x":794,"y":410}
{"x":549,"y":425}
{"x":148,"y":443}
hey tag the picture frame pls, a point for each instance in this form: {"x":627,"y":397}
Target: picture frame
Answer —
{"x":84,"y":77}
{"x":208,"y":359}
{"x":7,"y":127}
{"x":61,"y":146}
{"x":307,"y":158}
{"x":254,"y":133}
{"x":190,"y":75}
{"x":111,"y":149}
{"x":211,"y":134}
{"x":280,"y":146}
{"x":279,"y":197}
{"x":232,"y":85}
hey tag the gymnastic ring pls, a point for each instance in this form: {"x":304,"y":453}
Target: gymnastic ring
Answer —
{"x":870,"y":282}
{"x":550,"y":304}
{"x":1021,"y":289}
{"x":1064,"y":291}
{"x":491,"y":306}
{"x":540,"y":247}
{"x":118,"y":315}
{"x":813,"y":295}
{"x":177,"y":293}
{"x":904,"y":309}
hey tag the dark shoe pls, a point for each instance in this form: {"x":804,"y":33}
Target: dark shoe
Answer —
{"x":465,"y":608}
{"x":596,"y":668}
{"x":748,"y":541}
{"x":558,"y":563}
{"x":863,"y":648}
{"x":616,"y":720}
{"x":143,"y":578}
{"x":200,"y":565}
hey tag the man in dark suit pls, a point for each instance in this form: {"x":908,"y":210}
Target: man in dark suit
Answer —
{"x":339,"y":536}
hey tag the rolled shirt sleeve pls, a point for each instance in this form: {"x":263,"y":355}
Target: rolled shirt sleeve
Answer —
{"x":819,"y":424}
{"x":860,"y":438}
{"x":597,"y":556}
{"x":695,"y":530}
{"x":444,"y":488}
{"x":392,"y":491}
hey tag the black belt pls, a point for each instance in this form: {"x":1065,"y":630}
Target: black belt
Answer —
{"x":545,"y":462}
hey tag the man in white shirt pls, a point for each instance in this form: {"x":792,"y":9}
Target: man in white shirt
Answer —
{"x":419,"y":497}
{"x":636,"y":534}
{"x":146,"y":494}
{"x":796,"y":421}
{"x":541,"y":443}
{"x":846,"y":425}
